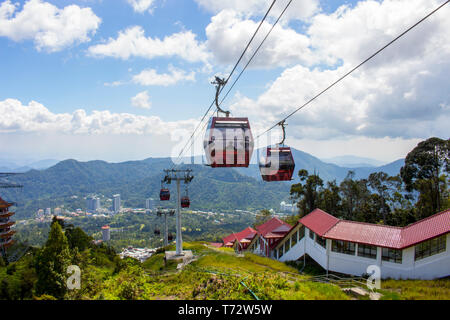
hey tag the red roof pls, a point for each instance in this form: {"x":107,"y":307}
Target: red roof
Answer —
{"x":373,"y":234}
{"x":274,"y":225}
{"x":425,"y":229}
{"x":247,"y":233}
{"x":216,"y":244}
{"x":319,"y":221}
{"x":330,"y":227}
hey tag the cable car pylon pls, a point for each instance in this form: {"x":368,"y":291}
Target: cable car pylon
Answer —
{"x":164,"y":212}
{"x":178,"y":176}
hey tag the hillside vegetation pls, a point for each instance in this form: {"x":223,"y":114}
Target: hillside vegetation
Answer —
{"x":219,"y":274}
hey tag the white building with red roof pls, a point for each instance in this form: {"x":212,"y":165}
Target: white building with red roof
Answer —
{"x":417,"y":251}
{"x":268,"y":235}
{"x":240,"y":240}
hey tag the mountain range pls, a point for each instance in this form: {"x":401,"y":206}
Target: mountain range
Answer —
{"x":69,"y":181}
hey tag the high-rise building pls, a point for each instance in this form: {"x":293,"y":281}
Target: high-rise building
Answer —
{"x":92,"y":204}
{"x":116,"y":203}
{"x":150,"y":204}
{"x":106,"y":233}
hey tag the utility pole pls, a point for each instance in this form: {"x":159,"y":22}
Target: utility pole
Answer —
{"x":165,"y":212}
{"x":178,"y":176}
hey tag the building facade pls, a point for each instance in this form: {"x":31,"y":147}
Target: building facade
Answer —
{"x":6,"y":233}
{"x":418,"y":251}
{"x":92,"y":204}
{"x":106,"y":233}
{"x":116,"y":203}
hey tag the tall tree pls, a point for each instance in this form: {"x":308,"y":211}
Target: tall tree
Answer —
{"x":51,"y":264}
{"x":426,"y":171}
{"x":307,"y":191}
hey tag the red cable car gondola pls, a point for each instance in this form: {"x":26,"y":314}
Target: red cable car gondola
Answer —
{"x":277,"y":162}
{"x":164,"y":194}
{"x":228,"y":141}
{"x":185,"y":202}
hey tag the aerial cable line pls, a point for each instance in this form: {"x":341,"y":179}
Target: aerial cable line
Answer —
{"x":233,"y":70}
{"x":355,"y":68}
{"x":256,"y":51}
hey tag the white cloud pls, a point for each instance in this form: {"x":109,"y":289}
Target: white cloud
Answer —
{"x":141,"y":100}
{"x":229,"y":32}
{"x":133,"y":43}
{"x":299,"y":10}
{"x":142,"y":5}
{"x":150,"y":77}
{"x":36,"y":118}
{"x":401,"y":94}
{"x":34,"y":128}
{"x":51,"y":28}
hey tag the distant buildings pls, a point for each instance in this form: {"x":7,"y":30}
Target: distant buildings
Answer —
{"x":106,"y":233}
{"x":140,"y":254}
{"x":150,"y":204}
{"x":92,"y":204}
{"x":48,"y":212}
{"x":288,"y":207}
{"x":116,"y":203}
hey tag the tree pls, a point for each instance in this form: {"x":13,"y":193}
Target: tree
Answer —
{"x":264,"y":216}
{"x":51,"y":264}
{"x":384,"y":186}
{"x":307,"y":191}
{"x":77,"y":238}
{"x":425,"y":170}
{"x":354,"y":194}
{"x":331,"y":200}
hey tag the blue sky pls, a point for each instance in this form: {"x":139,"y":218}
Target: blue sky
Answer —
{"x":95,"y":73}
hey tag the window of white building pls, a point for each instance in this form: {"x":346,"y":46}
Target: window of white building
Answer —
{"x":321,"y":241}
{"x":343,"y":247}
{"x":367,"y":251}
{"x":392,"y":255}
{"x":430,"y":247}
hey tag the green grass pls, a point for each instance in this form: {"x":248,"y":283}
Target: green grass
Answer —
{"x":416,"y":289}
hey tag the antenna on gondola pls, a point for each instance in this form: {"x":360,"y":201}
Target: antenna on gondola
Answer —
{"x":220,"y":83}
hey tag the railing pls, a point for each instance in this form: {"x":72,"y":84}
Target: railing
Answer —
{"x":342,"y":282}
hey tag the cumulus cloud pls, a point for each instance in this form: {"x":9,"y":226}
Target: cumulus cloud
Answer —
{"x":34,"y":128}
{"x":36,"y":118}
{"x":132,"y":42}
{"x":299,"y":10}
{"x":150,"y":77}
{"x":142,"y":5}
{"x":400,"y":94}
{"x":141,"y":100}
{"x":229,"y":32}
{"x":51,"y":28}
